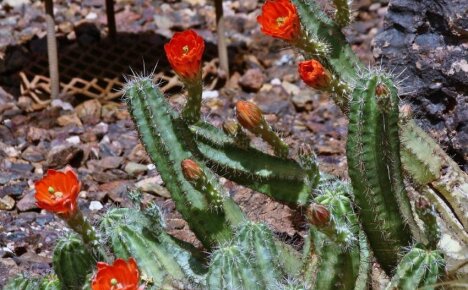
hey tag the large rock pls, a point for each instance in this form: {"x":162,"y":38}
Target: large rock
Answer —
{"x":425,"y":42}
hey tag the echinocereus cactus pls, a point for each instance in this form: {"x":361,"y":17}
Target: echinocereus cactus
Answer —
{"x":350,"y":224}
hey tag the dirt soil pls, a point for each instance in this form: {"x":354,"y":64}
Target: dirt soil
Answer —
{"x":97,"y":137}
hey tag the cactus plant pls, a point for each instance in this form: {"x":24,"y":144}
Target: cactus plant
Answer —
{"x":72,"y":262}
{"x":350,"y":224}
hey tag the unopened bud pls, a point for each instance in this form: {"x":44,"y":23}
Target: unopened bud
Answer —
{"x":248,"y":114}
{"x":318,"y":215}
{"x":381,"y":90}
{"x":230,"y":127}
{"x":406,"y":112}
{"x":191,"y":170}
{"x":314,"y":74}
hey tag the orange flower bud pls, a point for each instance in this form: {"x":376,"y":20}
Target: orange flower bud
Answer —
{"x":191,"y":170}
{"x":58,"y":191}
{"x":120,"y":275}
{"x":314,"y":74}
{"x":381,"y":90}
{"x":184,"y":52}
{"x":318,"y":215}
{"x":248,"y":114}
{"x":279,"y":19}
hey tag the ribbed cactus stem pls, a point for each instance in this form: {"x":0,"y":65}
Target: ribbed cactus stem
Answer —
{"x":73,"y":262}
{"x":376,"y":179}
{"x":419,"y":268}
{"x":257,"y":240}
{"x":81,"y":225}
{"x":161,"y":258}
{"x":342,"y":13}
{"x":191,"y":111}
{"x":231,"y":269}
{"x":282,"y":179}
{"x":168,"y":142}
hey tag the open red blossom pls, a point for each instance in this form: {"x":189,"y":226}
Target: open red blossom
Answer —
{"x":121,"y":275}
{"x":314,"y":74}
{"x":279,"y":19}
{"x":58,"y":191}
{"x":184,"y":52}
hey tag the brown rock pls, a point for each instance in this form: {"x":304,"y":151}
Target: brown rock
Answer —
{"x":36,"y":134}
{"x":60,"y":156}
{"x":7,"y":203}
{"x":28,"y":202}
{"x":252,"y":80}
{"x":69,"y":119}
{"x":89,"y":112}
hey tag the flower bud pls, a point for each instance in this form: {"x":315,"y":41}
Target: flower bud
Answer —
{"x":381,"y":90}
{"x":191,"y":170}
{"x":230,"y":127}
{"x":318,"y":215}
{"x":248,"y":115}
{"x":314,"y":74}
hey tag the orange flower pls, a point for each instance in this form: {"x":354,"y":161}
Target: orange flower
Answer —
{"x":121,"y":275}
{"x":57,"y":191}
{"x":279,"y":19}
{"x":184,"y":52}
{"x":314,"y":74}
{"x":248,"y":114}
{"x":191,"y":170}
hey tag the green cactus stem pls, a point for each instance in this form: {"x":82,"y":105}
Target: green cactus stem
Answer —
{"x":419,"y":268}
{"x":373,"y":163}
{"x":160,"y":257}
{"x":191,"y":110}
{"x":342,"y":13}
{"x":333,"y":267}
{"x":258,"y":241}
{"x":168,"y":142}
{"x":231,"y":268}
{"x":72,"y":262}
{"x":282,"y":179}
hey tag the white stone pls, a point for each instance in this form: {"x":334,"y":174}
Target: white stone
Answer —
{"x":73,"y":140}
{"x":95,"y":205}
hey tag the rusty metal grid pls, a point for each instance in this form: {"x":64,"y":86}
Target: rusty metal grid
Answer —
{"x":97,"y":71}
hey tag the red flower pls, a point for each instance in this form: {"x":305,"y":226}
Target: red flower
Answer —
{"x":57,"y":191}
{"x":314,"y":74}
{"x":248,"y":114}
{"x":121,"y":275}
{"x":184,"y":52}
{"x":280,"y":19}
{"x":318,"y":215}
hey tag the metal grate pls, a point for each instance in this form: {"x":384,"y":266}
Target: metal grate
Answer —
{"x":97,"y":70}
